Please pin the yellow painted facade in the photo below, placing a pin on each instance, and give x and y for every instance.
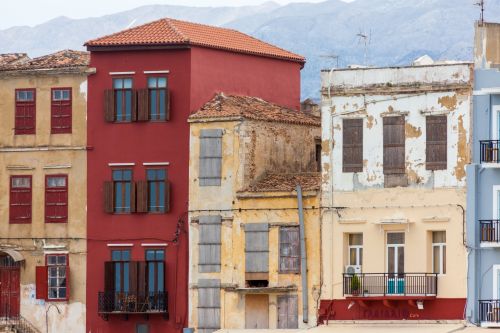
(40, 155)
(250, 150)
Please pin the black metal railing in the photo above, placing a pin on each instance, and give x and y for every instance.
(390, 284)
(489, 311)
(490, 230)
(129, 303)
(489, 151)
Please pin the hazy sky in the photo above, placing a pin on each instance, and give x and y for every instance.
(33, 12)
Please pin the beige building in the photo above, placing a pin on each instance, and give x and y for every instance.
(395, 145)
(43, 193)
(246, 158)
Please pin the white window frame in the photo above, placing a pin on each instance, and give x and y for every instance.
(441, 247)
(355, 247)
(495, 270)
(496, 199)
(495, 114)
(396, 252)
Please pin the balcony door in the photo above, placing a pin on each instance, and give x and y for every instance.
(496, 282)
(395, 254)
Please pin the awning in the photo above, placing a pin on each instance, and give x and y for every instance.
(14, 254)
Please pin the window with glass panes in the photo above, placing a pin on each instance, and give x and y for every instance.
(25, 114)
(56, 198)
(439, 252)
(122, 182)
(61, 110)
(155, 260)
(123, 99)
(57, 271)
(157, 87)
(121, 261)
(355, 249)
(156, 190)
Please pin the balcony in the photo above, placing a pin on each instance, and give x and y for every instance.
(490, 153)
(111, 303)
(390, 286)
(490, 233)
(489, 313)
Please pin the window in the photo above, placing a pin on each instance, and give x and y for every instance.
(209, 243)
(157, 198)
(439, 252)
(210, 157)
(289, 250)
(142, 328)
(124, 99)
(57, 271)
(257, 251)
(25, 121)
(56, 198)
(436, 142)
(288, 311)
(355, 249)
(20, 199)
(395, 252)
(121, 263)
(158, 98)
(208, 305)
(155, 261)
(122, 183)
(61, 117)
(352, 145)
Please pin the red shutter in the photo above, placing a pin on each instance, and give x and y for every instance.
(25, 115)
(167, 196)
(436, 143)
(41, 282)
(56, 201)
(142, 105)
(109, 105)
(68, 279)
(394, 145)
(20, 202)
(352, 145)
(61, 113)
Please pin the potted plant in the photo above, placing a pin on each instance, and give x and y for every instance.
(355, 285)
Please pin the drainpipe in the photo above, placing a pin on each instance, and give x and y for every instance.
(303, 260)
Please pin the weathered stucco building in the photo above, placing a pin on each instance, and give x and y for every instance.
(246, 158)
(395, 143)
(43, 190)
(483, 182)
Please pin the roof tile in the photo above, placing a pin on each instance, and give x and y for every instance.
(287, 182)
(60, 59)
(169, 31)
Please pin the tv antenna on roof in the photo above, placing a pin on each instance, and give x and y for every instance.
(331, 56)
(480, 4)
(366, 39)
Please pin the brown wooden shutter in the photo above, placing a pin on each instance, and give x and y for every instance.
(142, 105)
(167, 196)
(134, 105)
(41, 282)
(109, 105)
(142, 278)
(352, 145)
(133, 275)
(167, 104)
(394, 145)
(141, 196)
(436, 143)
(132, 197)
(108, 197)
(109, 276)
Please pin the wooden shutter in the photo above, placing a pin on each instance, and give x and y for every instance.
(41, 282)
(141, 278)
(109, 276)
(142, 105)
(132, 197)
(352, 145)
(209, 244)
(109, 105)
(394, 145)
(167, 105)
(289, 260)
(167, 196)
(108, 197)
(134, 105)
(288, 311)
(436, 142)
(210, 157)
(68, 285)
(133, 277)
(141, 196)
(257, 247)
(208, 305)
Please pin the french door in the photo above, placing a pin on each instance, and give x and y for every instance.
(9, 292)
(395, 262)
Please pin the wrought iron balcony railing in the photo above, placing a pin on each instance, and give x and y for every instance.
(390, 284)
(489, 311)
(490, 230)
(490, 151)
(132, 303)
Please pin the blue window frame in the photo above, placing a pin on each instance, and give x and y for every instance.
(156, 190)
(155, 260)
(157, 98)
(121, 258)
(123, 99)
(122, 181)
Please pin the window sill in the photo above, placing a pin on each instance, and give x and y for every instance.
(59, 301)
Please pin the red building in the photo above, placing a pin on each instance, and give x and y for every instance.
(148, 80)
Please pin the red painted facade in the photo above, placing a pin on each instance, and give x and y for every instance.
(403, 309)
(195, 75)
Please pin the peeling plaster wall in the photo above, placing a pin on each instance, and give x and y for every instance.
(487, 45)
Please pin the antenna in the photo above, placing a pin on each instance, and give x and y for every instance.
(332, 56)
(480, 4)
(366, 39)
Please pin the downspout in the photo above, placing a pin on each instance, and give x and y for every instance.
(303, 260)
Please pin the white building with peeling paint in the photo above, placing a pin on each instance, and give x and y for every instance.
(395, 142)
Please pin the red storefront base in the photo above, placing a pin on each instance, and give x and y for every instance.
(403, 308)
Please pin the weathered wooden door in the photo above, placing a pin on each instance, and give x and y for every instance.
(9, 292)
(257, 311)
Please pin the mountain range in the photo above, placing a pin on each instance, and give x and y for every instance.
(329, 34)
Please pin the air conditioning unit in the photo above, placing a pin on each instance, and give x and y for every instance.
(353, 269)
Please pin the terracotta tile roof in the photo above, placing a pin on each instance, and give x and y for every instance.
(168, 31)
(60, 59)
(233, 106)
(12, 58)
(286, 182)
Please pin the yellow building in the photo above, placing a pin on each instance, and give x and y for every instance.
(246, 158)
(43, 193)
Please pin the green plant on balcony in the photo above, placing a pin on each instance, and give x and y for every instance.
(355, 285)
